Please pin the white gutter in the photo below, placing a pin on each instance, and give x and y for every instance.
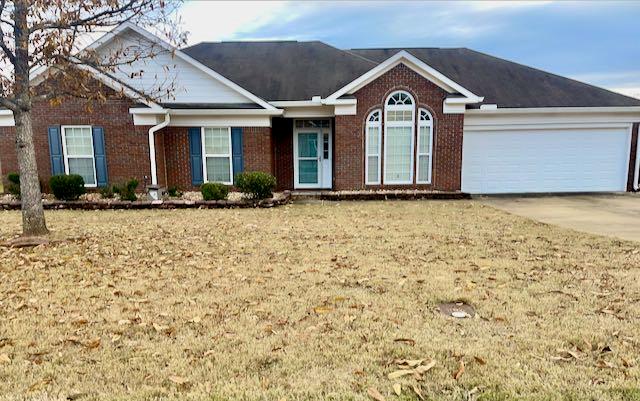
(540, 110)
(207, 112)
(152, 147)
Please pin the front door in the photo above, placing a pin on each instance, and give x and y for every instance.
(312, 150)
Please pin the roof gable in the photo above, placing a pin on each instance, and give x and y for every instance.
(417, 65)
(505, 83)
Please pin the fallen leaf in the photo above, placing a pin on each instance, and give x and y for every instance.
(399, 373)
(407, 341)
(417, 391)
(4, 358)
(196, 319)
(375, 394)
(425, 368)
(320, 310)
(91, 344)
(480, 360)
(397, 388)
(409, 362)
(180, 381)
(460, 370)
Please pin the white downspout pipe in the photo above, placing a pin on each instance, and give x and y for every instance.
(152, 147)
(636, 178)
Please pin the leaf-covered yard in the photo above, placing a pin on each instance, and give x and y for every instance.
(317, 302)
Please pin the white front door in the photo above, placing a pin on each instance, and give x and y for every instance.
(312, 150)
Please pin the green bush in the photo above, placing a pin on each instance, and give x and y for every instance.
(214, 191)
(107, 192)
(14, 184)
(128, 190)
(174, 192)
(67, 187)
(256, 184)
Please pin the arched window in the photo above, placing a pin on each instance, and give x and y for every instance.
(398, 138)
(373, 145)
(425, 147)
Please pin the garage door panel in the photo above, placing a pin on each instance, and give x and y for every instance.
(545, 161)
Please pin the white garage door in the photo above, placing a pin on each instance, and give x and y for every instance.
(585, 160)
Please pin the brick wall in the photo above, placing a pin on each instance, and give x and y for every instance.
(126, 145)
(349, 137)
(257, 153)
(257, 149)
(283, 152)
(632, 159)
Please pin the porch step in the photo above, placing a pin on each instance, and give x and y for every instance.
(377, 195)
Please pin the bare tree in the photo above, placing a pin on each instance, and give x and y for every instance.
(51, 36)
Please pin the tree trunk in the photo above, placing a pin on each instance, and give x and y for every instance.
(33, 222)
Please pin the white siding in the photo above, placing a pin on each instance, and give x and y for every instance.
(545, 160)
(191, 84)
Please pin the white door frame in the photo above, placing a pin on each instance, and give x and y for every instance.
(325, 166)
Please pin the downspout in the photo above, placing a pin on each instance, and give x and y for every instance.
(636, 178)
(152, 147)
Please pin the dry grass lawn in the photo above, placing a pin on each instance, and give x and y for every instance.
(309, 302)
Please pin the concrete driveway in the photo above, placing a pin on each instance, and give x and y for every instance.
(616, 215)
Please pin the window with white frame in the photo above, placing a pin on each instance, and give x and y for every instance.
(373, 145)
(398, 138)
(216, 155)
(425, 146)
(77, 147)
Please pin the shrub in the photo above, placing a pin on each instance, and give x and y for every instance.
(214, 191)
(256, 184)
(174, 192)
(67, 187)
(14, 184)
(128, 190)
(106, 192)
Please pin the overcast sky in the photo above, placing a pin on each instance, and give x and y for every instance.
(596, 42)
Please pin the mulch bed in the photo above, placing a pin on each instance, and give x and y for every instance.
(159, 204)
(380, 195)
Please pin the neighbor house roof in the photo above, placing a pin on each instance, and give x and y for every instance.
(290, 70)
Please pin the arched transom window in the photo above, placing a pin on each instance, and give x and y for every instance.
(373, 145)
(425, 146)
(398, 138)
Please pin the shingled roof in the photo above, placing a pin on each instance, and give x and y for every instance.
(299, 70)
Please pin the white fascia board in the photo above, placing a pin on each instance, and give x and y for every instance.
(206, 112)
(6, 118)
(406, 58)
(295, 103)
(542, 110)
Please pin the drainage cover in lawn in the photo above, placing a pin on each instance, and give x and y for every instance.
(458, 310)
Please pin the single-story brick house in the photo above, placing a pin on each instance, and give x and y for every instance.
(319, 117)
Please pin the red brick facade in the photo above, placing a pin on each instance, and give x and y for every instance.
(126, 145)
(349, 137)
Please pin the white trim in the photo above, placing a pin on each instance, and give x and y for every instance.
(404, 57)
(152, 147)
(206, 112)
(378, 125)
(424, 124)
(412, 125)
(541, 126)
(6, 118)
(537, 110)
(205, 155)
(295, 103)
(65, 156)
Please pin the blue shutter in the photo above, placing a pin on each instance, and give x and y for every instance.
(236, 150)
(100, 156)
(55, 150)
(195, 154)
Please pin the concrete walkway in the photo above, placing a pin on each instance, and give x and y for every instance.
(615, 215)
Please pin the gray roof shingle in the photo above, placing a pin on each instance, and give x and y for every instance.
(289, 70)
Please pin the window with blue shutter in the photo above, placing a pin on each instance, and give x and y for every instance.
(195, 155)
(100, 156)
(55, 150)
(236, 150)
